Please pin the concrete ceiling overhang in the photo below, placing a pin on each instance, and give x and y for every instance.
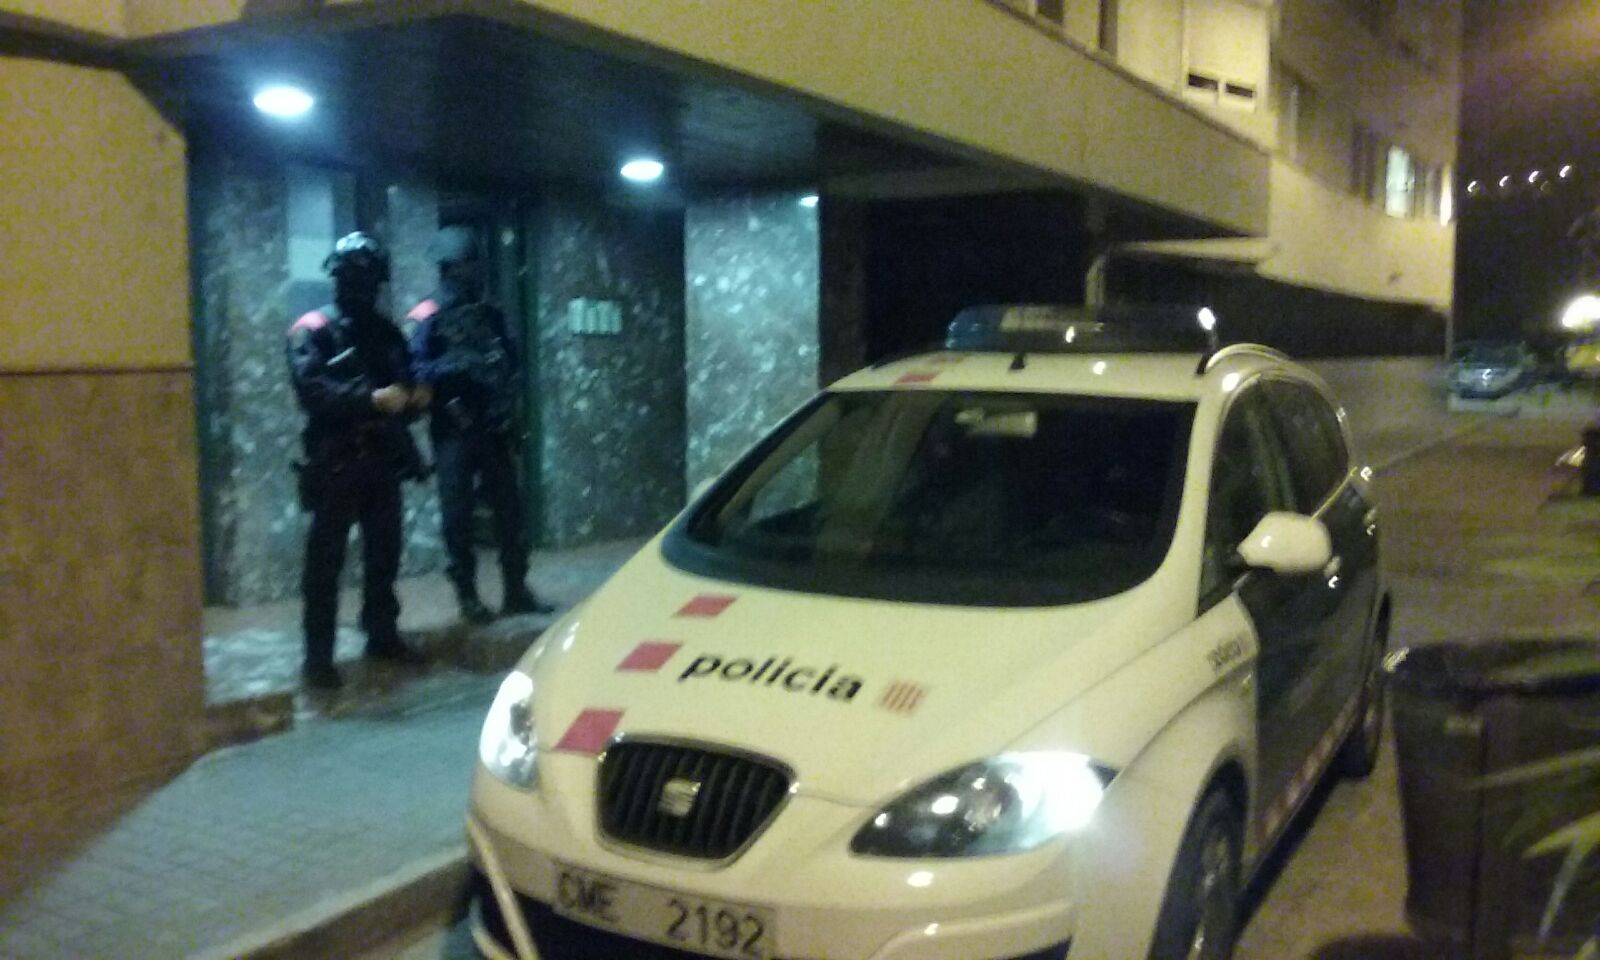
(470, 98)
(477, 90)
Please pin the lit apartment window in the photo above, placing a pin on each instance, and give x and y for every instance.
(1400, 184)
(1226, 44)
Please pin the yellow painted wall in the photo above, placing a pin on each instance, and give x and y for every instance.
(1404, 101)
(98, 16)
(966, 72)
(153, 17)
(1150, 40)
(94, 246)
(1327, 239)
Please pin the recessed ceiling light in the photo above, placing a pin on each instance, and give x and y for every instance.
(284, 102)
(643, 170)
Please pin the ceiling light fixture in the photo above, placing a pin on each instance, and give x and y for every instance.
(810, 200)
(284, 102)
(643, 170)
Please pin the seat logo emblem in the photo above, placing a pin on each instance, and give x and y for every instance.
(678, 796)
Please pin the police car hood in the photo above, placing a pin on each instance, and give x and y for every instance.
(861, 699)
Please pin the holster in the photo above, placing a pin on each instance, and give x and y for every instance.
(313, 481)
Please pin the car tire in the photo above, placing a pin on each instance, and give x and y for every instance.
(1200, 916)
(1358, 755)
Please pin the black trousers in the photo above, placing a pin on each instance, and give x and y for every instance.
(374, 504)
(462, 461)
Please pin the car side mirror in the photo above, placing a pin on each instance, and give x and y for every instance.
(1287, 543)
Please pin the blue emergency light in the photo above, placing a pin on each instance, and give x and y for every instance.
(1111, 328)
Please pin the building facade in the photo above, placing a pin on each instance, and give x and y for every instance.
(840, 176)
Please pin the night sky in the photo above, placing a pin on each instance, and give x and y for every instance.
(1530, 102)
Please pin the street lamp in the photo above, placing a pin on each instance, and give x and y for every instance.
(1582, 313)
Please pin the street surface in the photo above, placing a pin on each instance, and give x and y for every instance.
(1472, 551)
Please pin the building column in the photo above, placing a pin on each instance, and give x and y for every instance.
(752, 268)
(99, 527)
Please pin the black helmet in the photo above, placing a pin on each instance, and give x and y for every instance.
(455, 244)
(358, 255)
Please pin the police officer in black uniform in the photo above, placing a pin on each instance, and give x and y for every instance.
(460, 348)
(351, 373)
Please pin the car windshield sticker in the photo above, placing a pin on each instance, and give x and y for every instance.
(591, 732)
(902, 697)
(778, 673)
(648, 657)
(705, 605)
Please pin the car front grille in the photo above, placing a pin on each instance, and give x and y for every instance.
(685, 800)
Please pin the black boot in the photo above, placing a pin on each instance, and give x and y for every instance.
(385, 644)
(321, 676)
(519, 600)
(472, 609)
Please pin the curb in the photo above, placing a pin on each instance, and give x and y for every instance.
(432, 890)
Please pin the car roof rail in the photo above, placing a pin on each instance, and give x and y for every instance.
(1238, 350)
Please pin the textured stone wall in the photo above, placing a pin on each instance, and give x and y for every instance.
(99, 583)
(249, 422)
(608, 460)
(752, 272)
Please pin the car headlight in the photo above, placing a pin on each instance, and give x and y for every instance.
(1006, 804)
(508, 746)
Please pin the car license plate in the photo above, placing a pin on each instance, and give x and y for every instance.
(712, 927)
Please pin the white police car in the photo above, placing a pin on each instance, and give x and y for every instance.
(1020, 653)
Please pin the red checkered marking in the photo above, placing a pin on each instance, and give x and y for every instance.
(706, 605)
(591, 733)
(902, 697)
(648, 657)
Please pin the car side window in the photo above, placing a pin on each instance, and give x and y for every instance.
(1249, 479)
(1318, 459)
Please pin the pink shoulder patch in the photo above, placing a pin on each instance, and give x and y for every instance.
(315, 320)
(423, 310)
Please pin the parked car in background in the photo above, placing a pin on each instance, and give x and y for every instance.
(1486, 369)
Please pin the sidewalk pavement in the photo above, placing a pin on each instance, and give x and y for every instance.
(311, 843)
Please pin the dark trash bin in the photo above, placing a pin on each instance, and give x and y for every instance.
(1591, 461)
(1499, 750)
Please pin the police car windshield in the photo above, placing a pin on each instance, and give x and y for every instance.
(950, 497)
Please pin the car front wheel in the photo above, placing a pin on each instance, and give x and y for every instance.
(1200, 917)
(1358, 756)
